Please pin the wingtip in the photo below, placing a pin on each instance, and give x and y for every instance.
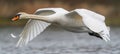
(106, 38)
(21, 42)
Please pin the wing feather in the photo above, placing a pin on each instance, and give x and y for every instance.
(93, 23)
(31, 30)
(93, 14)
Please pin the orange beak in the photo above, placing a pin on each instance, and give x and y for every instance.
(16, 17)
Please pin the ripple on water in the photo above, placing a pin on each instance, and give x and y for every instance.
(60, 44)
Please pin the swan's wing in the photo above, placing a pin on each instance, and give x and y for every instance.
(50, 11)
(45, 12)
(93, 14)
(31, 30)
(75, 18)
(93, 23)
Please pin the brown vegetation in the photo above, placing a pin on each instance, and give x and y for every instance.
(109, 8)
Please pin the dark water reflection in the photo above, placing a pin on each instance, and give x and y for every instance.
(60, 42)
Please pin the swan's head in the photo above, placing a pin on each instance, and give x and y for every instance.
(19, 15)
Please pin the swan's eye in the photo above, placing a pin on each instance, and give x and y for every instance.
(16, 17)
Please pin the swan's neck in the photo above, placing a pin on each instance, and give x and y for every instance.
(37, 17)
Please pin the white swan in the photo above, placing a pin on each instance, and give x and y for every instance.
(78, 20)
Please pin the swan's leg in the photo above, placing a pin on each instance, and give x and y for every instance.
(95, 34)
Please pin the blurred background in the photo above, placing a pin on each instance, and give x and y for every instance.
(109, 8)
(59, 41)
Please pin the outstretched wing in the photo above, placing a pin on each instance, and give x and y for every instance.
(95, 22)
(93, 14)
(31, 30)
(50, 11)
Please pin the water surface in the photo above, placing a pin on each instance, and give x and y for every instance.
(59, 42)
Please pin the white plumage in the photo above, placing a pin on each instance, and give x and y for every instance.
(94, 22)
(78, 20)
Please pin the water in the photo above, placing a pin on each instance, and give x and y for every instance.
(59, 42)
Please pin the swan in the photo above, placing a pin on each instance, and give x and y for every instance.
(76, 21)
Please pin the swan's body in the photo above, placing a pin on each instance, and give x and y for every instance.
(79, 20)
